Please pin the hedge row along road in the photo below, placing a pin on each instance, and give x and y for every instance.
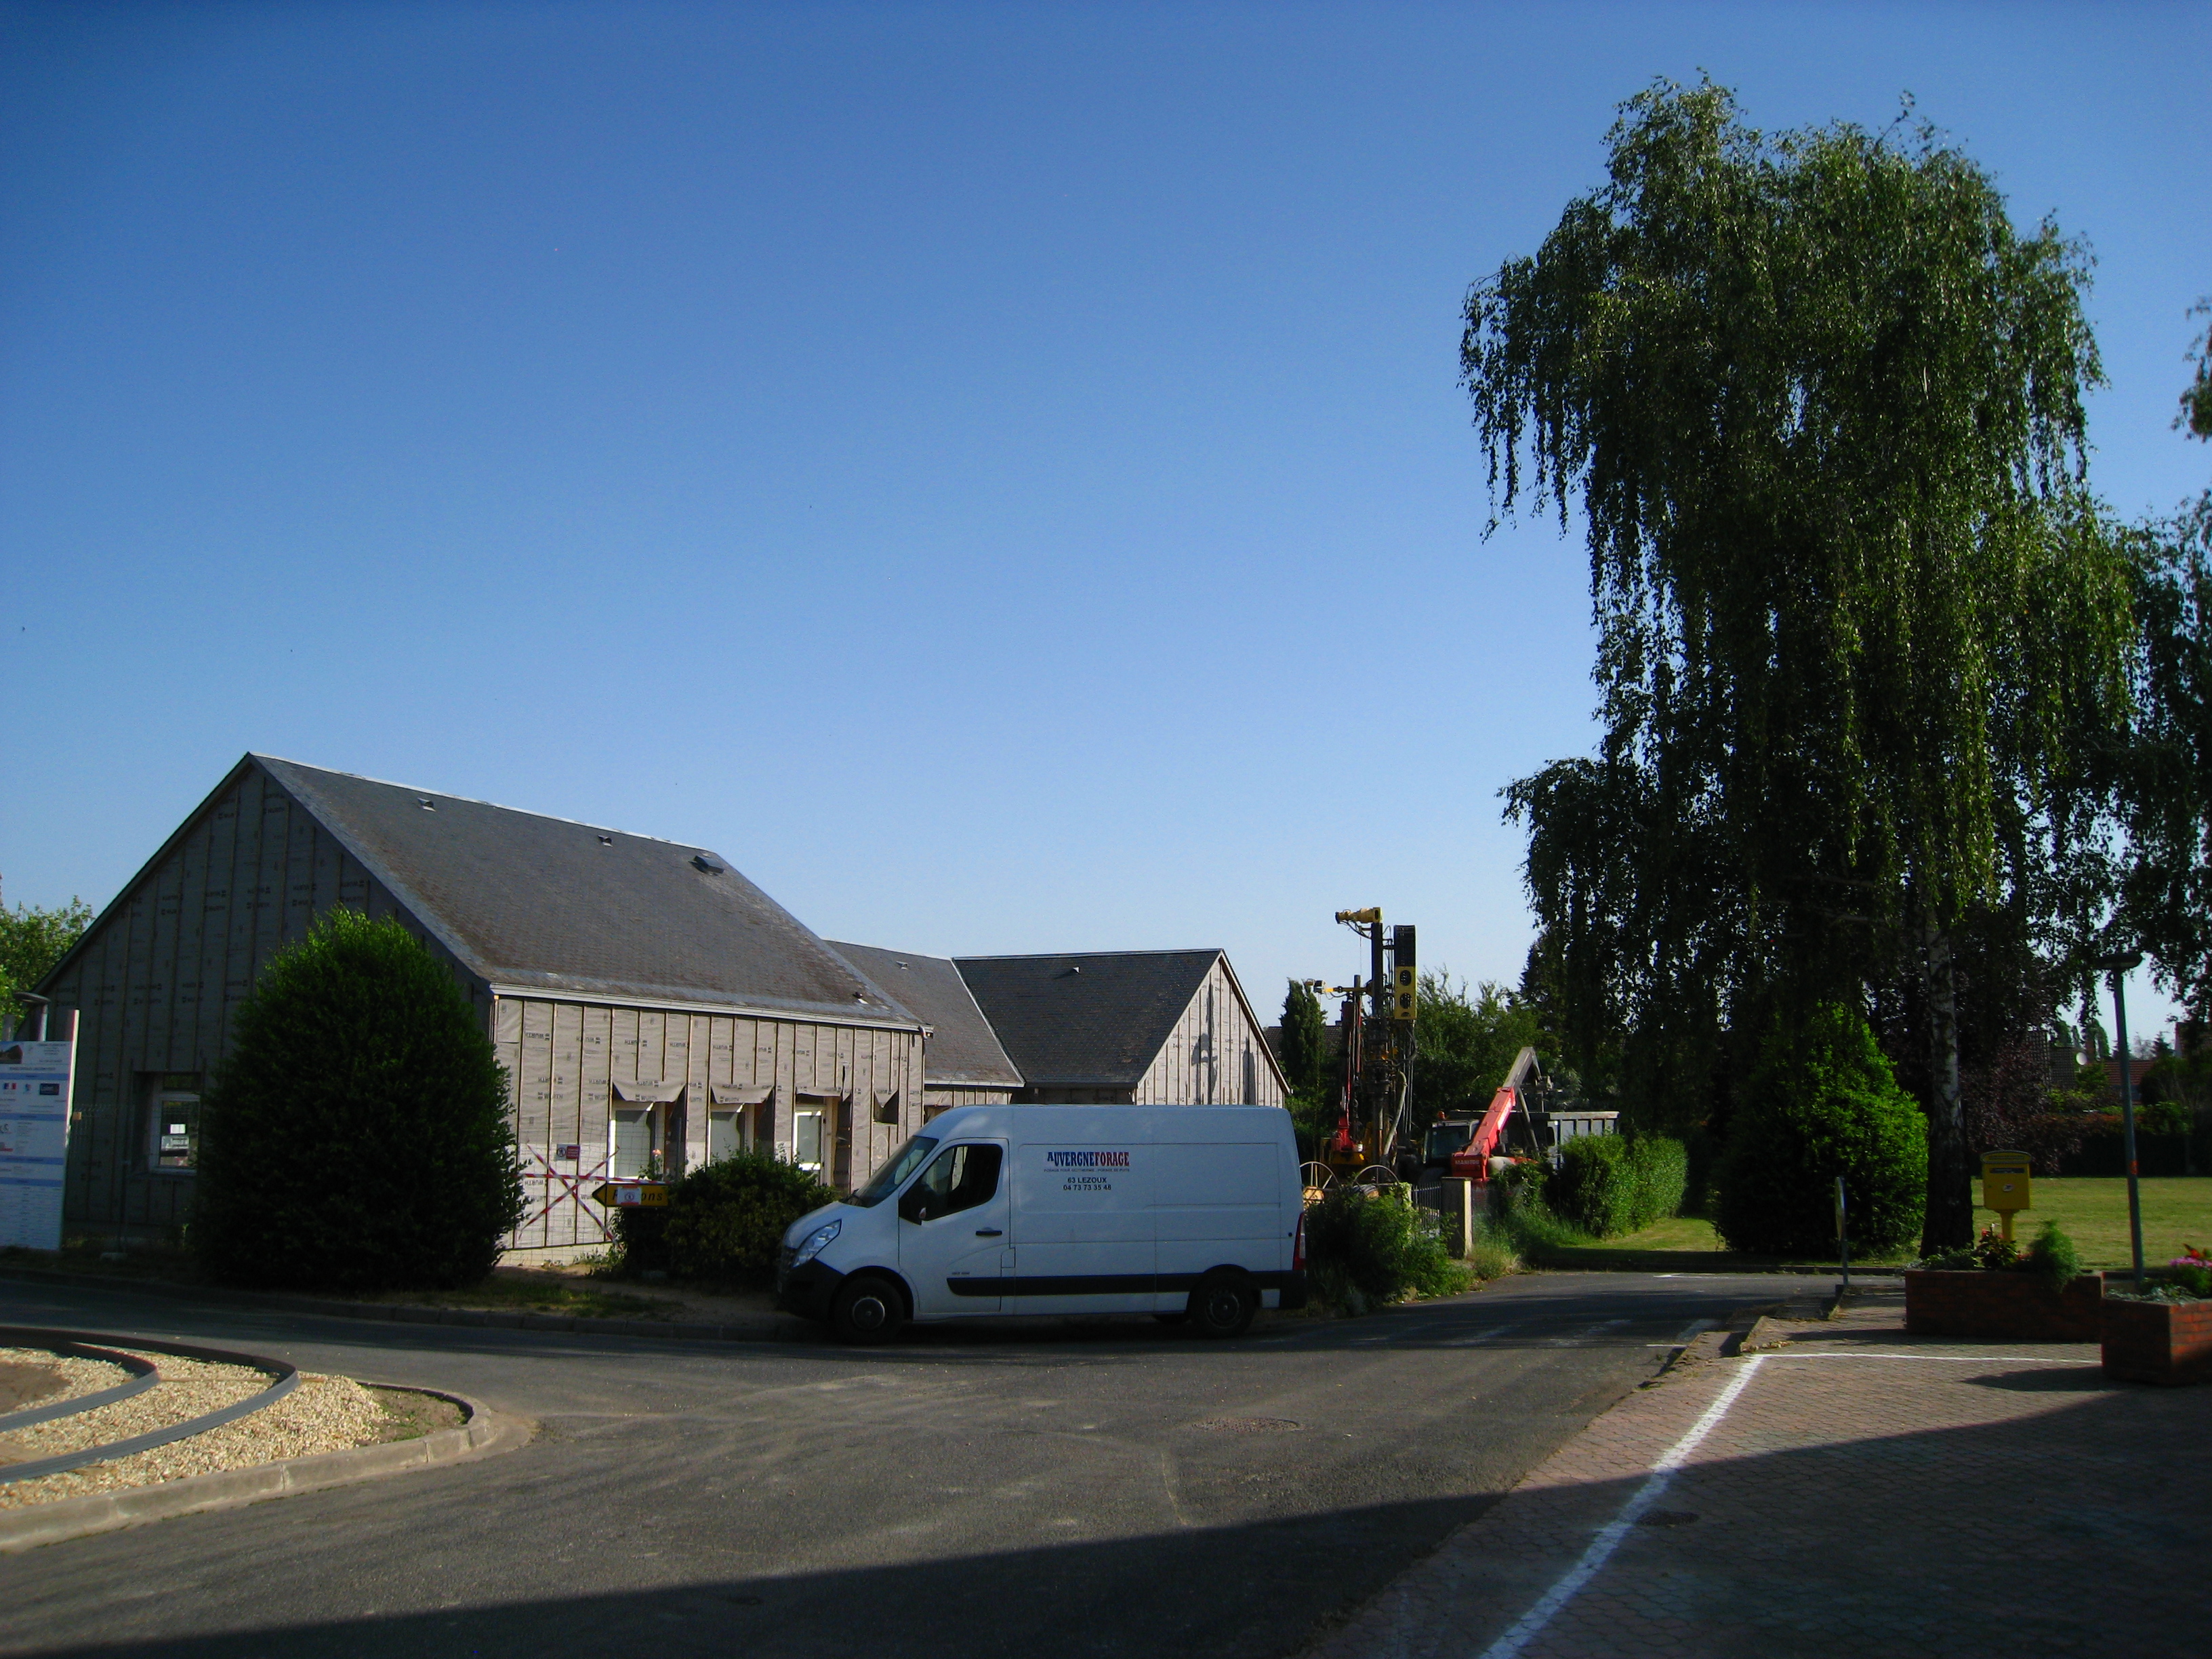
(1048, 1489)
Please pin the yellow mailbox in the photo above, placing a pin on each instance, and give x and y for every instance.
(2005, 1185)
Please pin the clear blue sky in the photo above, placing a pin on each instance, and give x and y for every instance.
(995, 472)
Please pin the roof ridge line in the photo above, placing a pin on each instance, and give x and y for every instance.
(472, 800)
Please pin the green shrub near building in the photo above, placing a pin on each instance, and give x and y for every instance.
(1822, 1103)
(724, 1221)
(357, 1137)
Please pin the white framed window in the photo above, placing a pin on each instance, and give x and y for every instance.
(808, 1126)
(726, 1136)
(173, 1123)
(633, 1137)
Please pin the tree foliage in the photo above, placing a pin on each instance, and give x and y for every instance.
(32, 940)
(1821, 406)
(1466, 1044)
(356, 1136)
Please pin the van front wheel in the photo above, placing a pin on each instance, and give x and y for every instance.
(867, 1310)
(1223, 1307)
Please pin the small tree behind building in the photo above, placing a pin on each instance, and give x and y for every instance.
(357, 1137)
(1305, 1039)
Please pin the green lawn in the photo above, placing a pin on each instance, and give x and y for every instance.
(2177, 1211)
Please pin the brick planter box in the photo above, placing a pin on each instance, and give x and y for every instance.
(2158, 1341)
(2002, 1307)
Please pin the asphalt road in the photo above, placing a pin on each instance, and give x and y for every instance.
(1027, 1489)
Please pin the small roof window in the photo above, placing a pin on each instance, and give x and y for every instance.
(700, 861)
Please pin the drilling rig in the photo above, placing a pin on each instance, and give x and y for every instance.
(1378, 1019)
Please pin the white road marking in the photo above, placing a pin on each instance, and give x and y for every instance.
(1527, 1627)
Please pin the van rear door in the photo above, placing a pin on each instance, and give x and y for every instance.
(1218, 1204)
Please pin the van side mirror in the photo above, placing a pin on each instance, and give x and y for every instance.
(914, 1206)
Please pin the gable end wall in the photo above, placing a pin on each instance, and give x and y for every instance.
(1216, 1055)
(162, 972)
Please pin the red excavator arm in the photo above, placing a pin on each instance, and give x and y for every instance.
(1471, 1162)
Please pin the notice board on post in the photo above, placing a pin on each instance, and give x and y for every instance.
(34, 1119)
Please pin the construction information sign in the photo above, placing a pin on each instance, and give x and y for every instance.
(34, 1115)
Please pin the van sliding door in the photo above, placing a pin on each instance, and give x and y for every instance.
(1084, 1208)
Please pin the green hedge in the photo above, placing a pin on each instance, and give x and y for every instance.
(357, 1138)
(1609, 1185)
(1822, 1103)
(724, 1221)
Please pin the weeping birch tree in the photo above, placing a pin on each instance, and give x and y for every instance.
(1819, 404)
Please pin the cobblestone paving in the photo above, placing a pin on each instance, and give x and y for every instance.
(1865, 1492)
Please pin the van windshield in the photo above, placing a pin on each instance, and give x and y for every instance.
(903, 1163)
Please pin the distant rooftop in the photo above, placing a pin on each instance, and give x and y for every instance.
(1094, 1020)
(963, 1051)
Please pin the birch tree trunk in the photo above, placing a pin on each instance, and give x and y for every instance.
(1949, 1221)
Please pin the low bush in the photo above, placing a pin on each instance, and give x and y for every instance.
(1822, 1103)
(1521, 1217)
(1365, 1250)
(357, 1138)
(1609, 1185)
(2053, 1259)
(724, 1221)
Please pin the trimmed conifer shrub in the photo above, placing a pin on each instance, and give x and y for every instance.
(357, 1136)
(1822, 1103)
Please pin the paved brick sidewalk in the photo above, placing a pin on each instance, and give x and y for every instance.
(1862, 1492)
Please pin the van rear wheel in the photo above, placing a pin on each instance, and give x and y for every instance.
(1224, 1307)
(867, 1310)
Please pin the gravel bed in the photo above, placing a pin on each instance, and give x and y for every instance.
(188, 1389)
(323, 1414)
(79, 1376)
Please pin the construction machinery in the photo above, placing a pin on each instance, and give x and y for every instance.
(1378, 1019)
(1517, 1105)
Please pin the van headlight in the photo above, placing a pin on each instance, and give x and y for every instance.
(816, 1242)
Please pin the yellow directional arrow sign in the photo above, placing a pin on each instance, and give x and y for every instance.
(632, 1194)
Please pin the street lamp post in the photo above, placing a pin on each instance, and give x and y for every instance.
(2117, 966)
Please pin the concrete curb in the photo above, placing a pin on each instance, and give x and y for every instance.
(769, 1329)
(486, 1434)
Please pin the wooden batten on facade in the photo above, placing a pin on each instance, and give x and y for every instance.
(646, 1001)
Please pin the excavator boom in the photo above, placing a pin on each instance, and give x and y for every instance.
(1473, 1162)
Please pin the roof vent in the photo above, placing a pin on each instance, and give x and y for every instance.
(1076, 968)
(700, 861)
(426, 803)
(607, 840)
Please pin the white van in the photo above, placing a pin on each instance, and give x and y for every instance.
(1180, 1212)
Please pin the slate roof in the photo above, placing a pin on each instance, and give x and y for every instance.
(548, 905)
(962, 1051)
(1096, 1020)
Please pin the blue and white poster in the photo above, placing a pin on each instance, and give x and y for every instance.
(34, 1115)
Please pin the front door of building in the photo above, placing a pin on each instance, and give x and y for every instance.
(956, 1230)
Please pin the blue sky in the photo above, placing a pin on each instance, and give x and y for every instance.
(995, 472)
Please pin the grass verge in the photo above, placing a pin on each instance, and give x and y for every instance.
(410, 1414)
